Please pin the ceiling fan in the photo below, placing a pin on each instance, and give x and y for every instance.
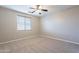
(38, 8)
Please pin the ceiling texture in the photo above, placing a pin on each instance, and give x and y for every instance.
(26, 8)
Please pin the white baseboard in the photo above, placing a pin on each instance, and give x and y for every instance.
(29, 37)
(51, 37)
(43, 35)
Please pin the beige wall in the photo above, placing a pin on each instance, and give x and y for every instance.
(64, 24)
(8, 25)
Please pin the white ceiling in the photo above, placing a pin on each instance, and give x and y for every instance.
(50, 8)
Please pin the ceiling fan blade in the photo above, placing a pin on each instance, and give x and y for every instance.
(44, 10)
(32, 12)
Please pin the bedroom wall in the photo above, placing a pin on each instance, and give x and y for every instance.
(64, 24)
(8, 26)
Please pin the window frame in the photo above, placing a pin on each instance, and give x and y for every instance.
(25, 23)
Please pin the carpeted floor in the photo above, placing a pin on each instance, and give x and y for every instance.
(39, 45)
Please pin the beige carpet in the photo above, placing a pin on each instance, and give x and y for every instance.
(39, 45)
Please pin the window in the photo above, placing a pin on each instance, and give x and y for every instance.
(23, 23)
